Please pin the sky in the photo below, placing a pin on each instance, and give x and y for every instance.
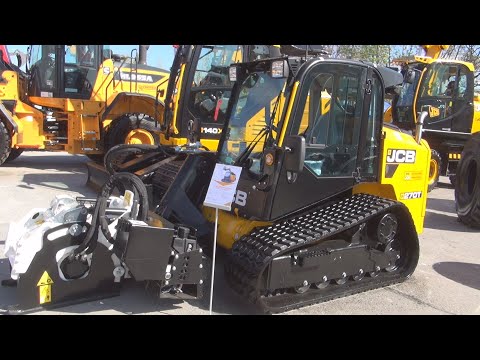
(158, 55)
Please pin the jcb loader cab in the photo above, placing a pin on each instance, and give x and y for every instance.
(329, 201)
(447, 88)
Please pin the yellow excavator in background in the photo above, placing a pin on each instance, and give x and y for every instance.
(198, 95)
(79, 98)
(447, 88)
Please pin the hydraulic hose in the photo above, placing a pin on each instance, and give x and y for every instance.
(124, 181)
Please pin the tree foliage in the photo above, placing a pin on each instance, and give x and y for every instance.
(384, 54)
(470, 53)
(378, 54)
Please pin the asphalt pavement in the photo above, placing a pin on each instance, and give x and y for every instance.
(446, 280)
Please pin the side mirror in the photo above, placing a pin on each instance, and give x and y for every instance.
(194, 127)
(27, 59)
(294, 153)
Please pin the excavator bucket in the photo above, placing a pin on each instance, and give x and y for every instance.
(81, 250)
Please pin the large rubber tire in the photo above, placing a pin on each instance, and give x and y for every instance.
(434, 170)
(5, 143)
(14, 153)
(467, 187)
(120, 128)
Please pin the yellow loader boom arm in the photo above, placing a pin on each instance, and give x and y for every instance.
(434, 51)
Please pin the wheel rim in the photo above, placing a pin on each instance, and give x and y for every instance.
(302, 289)
(359, 276)
(374, 273)
(433, 172)
(341, 280)
(140, 136)
(394, 255)
(322, 284)
(387, 228)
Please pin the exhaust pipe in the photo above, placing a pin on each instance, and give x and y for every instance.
(142, 54)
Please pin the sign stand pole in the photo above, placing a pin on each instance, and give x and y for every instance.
(213, 260)
(220, 195)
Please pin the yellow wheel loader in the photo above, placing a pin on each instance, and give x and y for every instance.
(330, 200)
(78, 98)
(447, 88)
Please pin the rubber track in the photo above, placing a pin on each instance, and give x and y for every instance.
(252, 254)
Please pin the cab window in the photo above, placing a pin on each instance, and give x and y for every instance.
(330, 121)
(80, 69)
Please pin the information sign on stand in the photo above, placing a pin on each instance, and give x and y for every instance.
(220, 195)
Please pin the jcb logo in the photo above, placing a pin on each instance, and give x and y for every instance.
(395, 156)
(241, 198)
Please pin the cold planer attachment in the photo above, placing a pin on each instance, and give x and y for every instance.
(80, 250)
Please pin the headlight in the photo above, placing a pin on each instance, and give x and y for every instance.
(279, 69)
(232, 73)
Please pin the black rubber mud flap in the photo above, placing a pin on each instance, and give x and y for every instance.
(41, 287)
